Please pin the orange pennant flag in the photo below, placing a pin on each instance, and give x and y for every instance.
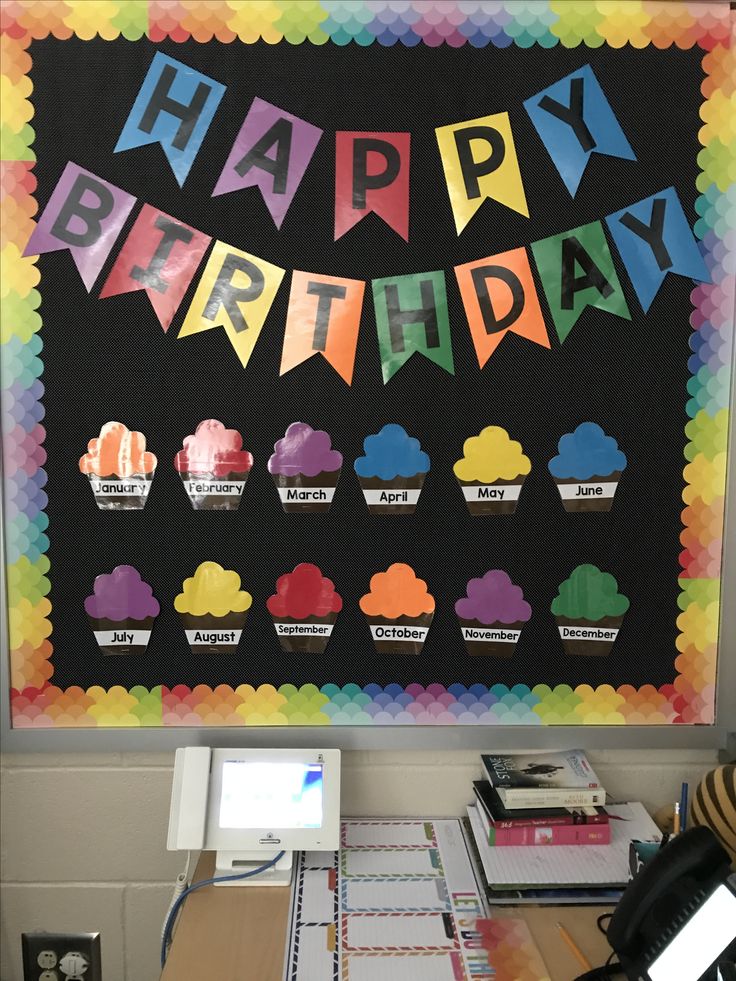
(323, 318)
(500, 297)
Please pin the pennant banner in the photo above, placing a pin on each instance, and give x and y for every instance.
(479, 160)
(574, 119)
(174, 107)
(236, 292)
(500, 298)
(160, 256)
(85, 215)
(577, 271)
(654, 238)
(271, 152)
(372, 174)
(411, 315)
(323, 318)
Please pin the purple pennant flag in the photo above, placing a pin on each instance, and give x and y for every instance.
(85, 215)
(271, 151)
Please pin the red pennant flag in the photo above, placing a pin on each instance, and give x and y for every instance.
(372, 174)
(160, 256)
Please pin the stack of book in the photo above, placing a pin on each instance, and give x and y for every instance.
(541, 799)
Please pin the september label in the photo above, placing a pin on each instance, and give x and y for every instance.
(570, 491)
(306, 495)
(115, 488)
(498, 634)
(588, 633)
(409, 495)
(215, 488)
(129, 638)
(303, 629)
(213, 636)
(382, 631)
(493, 492)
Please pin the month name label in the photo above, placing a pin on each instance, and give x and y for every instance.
(491, 633)
(493, 492)
(129, 638)
(306, 495)
(408, 495)
(213, 636)
(570, 491)
(303, 629)
(588, 633)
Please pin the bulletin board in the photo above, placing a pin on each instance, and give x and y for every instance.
(472, 258)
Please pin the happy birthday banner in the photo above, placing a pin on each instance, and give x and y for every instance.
(272, 151)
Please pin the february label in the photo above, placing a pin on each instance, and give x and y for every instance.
(215, 488)
(492, 492)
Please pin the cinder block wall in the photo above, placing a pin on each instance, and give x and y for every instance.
(84, 835)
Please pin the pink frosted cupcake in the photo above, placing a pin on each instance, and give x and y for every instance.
(492, 615)
(214, 467)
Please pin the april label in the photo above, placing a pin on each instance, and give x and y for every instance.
(409, 495)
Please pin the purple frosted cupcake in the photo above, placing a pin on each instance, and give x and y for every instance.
(121, 611)
(492, 615)
(305, 469)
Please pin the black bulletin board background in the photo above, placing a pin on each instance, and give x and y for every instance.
(110, 360)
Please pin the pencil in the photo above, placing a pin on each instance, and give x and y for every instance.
(581, 958)
(676, 822)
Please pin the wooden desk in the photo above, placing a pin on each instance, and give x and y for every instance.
(239, 933)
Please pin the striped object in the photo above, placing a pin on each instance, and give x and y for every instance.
(714, 806)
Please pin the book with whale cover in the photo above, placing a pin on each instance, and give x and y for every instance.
(531, 780)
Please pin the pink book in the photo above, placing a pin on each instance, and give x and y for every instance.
(561, 834)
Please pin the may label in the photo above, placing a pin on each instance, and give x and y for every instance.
(603, 490)
(303, 629)
(306, 495)
(492, 492)
(588, 633)
(382, 631)
(498, 634)
(409, 495)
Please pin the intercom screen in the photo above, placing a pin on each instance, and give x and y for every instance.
(700, 942)
(271, 795)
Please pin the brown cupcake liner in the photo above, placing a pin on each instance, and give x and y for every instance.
(493, 504)
(127, 636)
(304, 493)
(201, 495)
(589, 647)
(588, 501)
(217, 635)
(304, 636)
(117, 500)
(491, 646)
(404, 643)
(399, 498)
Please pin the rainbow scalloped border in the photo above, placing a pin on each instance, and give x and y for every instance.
(691, 697)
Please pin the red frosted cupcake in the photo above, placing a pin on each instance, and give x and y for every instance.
(304, 609)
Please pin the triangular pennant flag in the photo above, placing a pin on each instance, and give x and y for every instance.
(372, 174)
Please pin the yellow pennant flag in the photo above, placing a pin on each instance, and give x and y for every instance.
(236, 292)
(479, 160)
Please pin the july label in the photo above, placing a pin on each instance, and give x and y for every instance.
(588, 633)
(303, 629)
(121, 488)
(491, 633)
(218, 488)
(409, 495)
(570, 491)
(306, 495)
(382, 631)
(116, 638)
(493, 492)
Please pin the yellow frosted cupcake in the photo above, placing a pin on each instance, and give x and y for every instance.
(213, 609)
(491, 472)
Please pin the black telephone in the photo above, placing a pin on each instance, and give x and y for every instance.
(662, 899)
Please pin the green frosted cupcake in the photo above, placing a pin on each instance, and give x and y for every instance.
(589, 611)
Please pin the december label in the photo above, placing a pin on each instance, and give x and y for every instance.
(135, 488)
(409, 495)
(214, 488)
(588, 633)
(492, 492)
(382, 631)
(306, 495)
(213, 636)
(570, 491)
(118, 638)
(303, 629)
(497, 634)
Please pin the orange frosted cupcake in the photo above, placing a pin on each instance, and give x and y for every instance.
(399, 610)
(119, 468)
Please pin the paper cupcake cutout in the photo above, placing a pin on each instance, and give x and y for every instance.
(304, 609)
(491, 472)
(121, 611)
(214, 467)
(492, 615)
(589, 611)
(305, 468)
(213, 609)
(587, 468)
(119, 468)
(392, 471)
(399, 610)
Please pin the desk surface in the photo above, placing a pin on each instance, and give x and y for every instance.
(239, 933)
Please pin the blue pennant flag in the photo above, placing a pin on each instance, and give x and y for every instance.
(174, 107)
(574, 119)
(654, 238)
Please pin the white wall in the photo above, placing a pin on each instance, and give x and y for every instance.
(83, 836)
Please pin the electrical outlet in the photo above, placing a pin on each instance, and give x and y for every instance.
(61, 957)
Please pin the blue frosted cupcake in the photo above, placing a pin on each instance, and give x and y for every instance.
(392, 471)
(587, 468)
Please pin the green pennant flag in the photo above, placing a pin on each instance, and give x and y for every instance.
(577, 271)
(411, 315)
